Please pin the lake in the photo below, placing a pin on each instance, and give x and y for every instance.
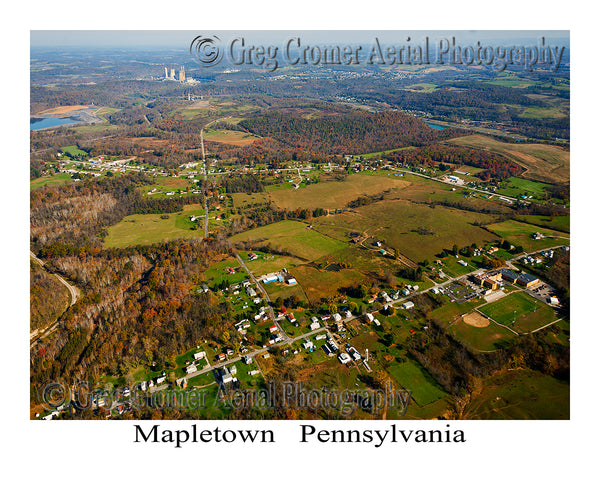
(38, 123)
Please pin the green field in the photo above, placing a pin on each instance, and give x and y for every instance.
(521, 394)
(73, 151)
(484, 339)
(293, 238)
(57, 179)
(146, 229)
(398, 224)
(423, 388)
(519, 233)
(216, 274)
(515, 187)
(519, 307)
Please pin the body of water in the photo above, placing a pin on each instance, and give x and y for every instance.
(38, 123)
(436, 127)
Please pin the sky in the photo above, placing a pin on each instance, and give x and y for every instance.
(171, 38)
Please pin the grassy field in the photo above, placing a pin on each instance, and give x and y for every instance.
(423, 388)
(151, 228)
(216, 273)
(73, 150)
(292, 237)
(319, 284)
(528, 312)
(267, 263)
(521, 394)
(330, 195)
(57, 179)
(230, 137)
(480, 339)
(514, 187)
(397, 224)
(519, 233)
(562, 223)
(545, 163)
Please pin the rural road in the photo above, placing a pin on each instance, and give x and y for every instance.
(37, 335)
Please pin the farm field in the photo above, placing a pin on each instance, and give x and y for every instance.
(146, 229)
(519, 233)
(319, 284)
(423, 388)
(230, 137)
(397, 224)
(545, 163)
(330, 195)
(528, 312)
(293, 238)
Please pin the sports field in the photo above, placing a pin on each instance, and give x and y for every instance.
(423, 388)
(526, 312)
(293, 238)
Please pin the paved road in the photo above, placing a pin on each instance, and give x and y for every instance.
(262, 289)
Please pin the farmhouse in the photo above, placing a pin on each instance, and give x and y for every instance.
(191, 368)
(408, 305)
(308, 345)
(369, 317)
(315, 326)
(199, 355)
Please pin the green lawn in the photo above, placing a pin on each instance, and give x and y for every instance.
(423, 388)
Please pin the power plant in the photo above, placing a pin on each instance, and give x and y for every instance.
(179, 76)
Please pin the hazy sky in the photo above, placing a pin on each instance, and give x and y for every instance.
(182, 38)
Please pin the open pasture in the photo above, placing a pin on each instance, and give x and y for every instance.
(545, 163)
